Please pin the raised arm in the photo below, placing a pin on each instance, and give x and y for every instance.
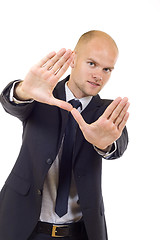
(38, 85)
(43, 77)
(108, 128)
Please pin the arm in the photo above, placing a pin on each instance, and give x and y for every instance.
(42, 78)
(38, 85)
(109, 127)
(21, 111)
(121, 143)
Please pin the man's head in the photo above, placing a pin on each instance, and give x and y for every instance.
(95, 56)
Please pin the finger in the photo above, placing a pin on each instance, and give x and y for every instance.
(64, 68)
(122, 114)
(109, 110)
(79, 119)
(45, 59)
(59, 64)
(50, 63)
(59, 103)
(123, 122)
(118, 109)
(54, 78)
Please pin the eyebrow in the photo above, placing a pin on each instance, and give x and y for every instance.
(91, 59)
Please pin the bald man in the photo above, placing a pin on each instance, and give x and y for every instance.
(67, 130)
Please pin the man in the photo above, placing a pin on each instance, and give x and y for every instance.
(34, 202)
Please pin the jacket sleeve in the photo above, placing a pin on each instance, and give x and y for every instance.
(21, 111)
(121, 144)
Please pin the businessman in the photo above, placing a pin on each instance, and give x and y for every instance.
(54, 188)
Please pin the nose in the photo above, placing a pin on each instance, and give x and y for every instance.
(97, 76)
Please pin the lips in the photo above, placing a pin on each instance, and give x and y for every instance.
(94, 84)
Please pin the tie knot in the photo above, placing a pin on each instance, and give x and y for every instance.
(75, 103)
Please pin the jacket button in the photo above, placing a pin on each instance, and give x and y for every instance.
(39, 192)
(49, 161)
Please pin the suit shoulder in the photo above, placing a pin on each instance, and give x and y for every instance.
(106, 101)
(102, 104)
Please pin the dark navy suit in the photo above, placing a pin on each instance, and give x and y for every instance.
(43, 129)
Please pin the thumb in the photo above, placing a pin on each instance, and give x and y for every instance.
(60, 103)
(79, 119)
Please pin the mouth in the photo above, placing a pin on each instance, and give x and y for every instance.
(94, 84)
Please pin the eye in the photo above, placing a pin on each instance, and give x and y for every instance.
(107, 70)
(91, 63)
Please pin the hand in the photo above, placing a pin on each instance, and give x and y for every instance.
(43, 77)
(108, 128)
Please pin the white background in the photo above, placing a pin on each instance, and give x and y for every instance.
(31, 29)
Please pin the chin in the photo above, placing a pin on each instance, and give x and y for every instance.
(92, 94)
(89, 92)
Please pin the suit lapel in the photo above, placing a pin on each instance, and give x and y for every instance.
(59, 93)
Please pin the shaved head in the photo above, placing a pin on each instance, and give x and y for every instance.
(95, 34)
(94, 59)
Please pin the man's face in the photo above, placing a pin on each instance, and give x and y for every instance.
(91, 68)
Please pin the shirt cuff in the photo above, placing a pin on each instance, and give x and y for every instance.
(106, 155)
(13, 99)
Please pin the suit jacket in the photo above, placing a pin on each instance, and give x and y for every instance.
(43, 129)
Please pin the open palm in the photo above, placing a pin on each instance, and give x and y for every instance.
(108, 128)
(43, 77)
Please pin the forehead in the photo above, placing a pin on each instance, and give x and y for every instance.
(100, 50)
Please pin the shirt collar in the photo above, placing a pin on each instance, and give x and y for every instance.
(69, 96)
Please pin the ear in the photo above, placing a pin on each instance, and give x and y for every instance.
(72, 64)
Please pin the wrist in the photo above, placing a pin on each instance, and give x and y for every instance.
(19, 93)
(107, 149)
